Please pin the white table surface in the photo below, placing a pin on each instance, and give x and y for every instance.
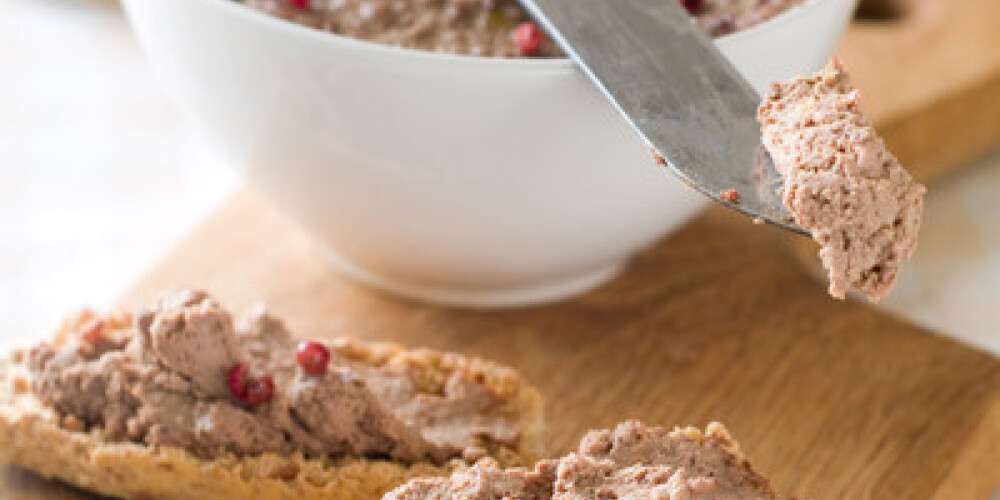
(99, 176)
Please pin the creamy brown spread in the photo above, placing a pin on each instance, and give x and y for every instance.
(475, 27)
(630, 462)
(840, 181)
(722, 17)
(470, 27)
(162, 380)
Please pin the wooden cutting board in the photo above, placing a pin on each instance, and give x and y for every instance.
(929, 72)
(834, 400)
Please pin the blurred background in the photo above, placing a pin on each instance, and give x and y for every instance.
(101, 174)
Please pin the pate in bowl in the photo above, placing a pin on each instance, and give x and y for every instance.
(471, 181)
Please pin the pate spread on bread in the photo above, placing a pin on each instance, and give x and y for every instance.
(630, 462)
(181, 398)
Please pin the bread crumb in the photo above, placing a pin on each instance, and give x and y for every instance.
(730, 196)
(71, 423)
(657, 157)
(19, 384)
(473, 454)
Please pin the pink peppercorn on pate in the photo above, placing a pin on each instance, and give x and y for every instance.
(181, 401)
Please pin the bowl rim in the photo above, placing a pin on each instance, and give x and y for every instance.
(553, 63)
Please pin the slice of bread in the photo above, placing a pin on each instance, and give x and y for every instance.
(35, 437)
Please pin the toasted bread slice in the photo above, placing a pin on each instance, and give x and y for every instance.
(35, 437)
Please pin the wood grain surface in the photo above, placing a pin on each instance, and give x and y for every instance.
(832, 399)
(929, 73)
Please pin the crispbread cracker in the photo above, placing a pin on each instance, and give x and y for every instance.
(36, 438)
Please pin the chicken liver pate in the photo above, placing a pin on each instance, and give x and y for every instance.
(630, 462)
(477, 27)
(162, 380)
(840, 181)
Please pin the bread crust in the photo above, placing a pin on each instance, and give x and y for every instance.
(34, 437)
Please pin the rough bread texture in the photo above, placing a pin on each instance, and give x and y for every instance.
(36, 438)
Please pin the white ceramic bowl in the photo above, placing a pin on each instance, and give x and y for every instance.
(463, 180)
